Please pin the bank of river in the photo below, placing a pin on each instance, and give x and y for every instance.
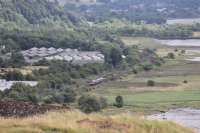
(187, 117)
(191, 45)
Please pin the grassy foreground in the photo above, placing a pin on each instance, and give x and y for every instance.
(76, 122)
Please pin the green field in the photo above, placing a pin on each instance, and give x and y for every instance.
(169, 91)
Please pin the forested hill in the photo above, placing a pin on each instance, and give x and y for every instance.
(36, 12)
(149, 11)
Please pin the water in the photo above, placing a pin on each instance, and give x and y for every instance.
(187, 21)
(195, 59)
(187, 117)
(187, 42)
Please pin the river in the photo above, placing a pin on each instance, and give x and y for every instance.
(185, 43)
(187, 117)
(184, 21)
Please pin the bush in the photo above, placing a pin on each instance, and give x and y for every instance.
(33, 98)
(21, 92)
(30, 77)
(119, 101)
(17, 60)
(103, 102)
(89, 104)
(48, 99)
(171, 55)
(175, 50)
(150, 83)
(135, 71)
(14, 75)
(148, 67)
(185, 81)
(183, 51)
(69, 95)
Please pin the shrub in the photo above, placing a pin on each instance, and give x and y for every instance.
(171, 55)
(119, 101)
(69, 95)
(185, 81)
(150, 83)
(103, 102)
(89, 104)
(135, 71)
(21, 92)
(175, 50)
(148, 67)
(14, 75)
(48, 99)
(17, 60)
(183, 51)
(30, 77)
(33, 98)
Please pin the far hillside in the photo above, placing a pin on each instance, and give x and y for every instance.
(140, 11)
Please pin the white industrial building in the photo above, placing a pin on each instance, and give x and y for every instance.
(70, 55)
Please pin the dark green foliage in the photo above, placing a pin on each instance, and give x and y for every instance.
(33, 98)
(1, 95)
(135, 71)
(115, 56)
(69, 95)
(119, 101)
(103, 102)
(150, 83)
(42, 63)
(60, 73)
(14, 76)
(36, 12)
(171, 55)
(30, 77)
(132, 56)
(89, 104)
(17, 60)
(21, 92)
(66, 96)
(167, 32)
(148, 67)
(48, 99)
(185, 81)
(175, 50)
(183, 51)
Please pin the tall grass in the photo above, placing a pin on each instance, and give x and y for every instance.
(77, 122)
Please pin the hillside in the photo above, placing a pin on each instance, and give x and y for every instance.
(74, 122)
(148, 11)
(40, 12)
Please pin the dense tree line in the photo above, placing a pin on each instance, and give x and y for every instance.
(36, 12)
(161, 32)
